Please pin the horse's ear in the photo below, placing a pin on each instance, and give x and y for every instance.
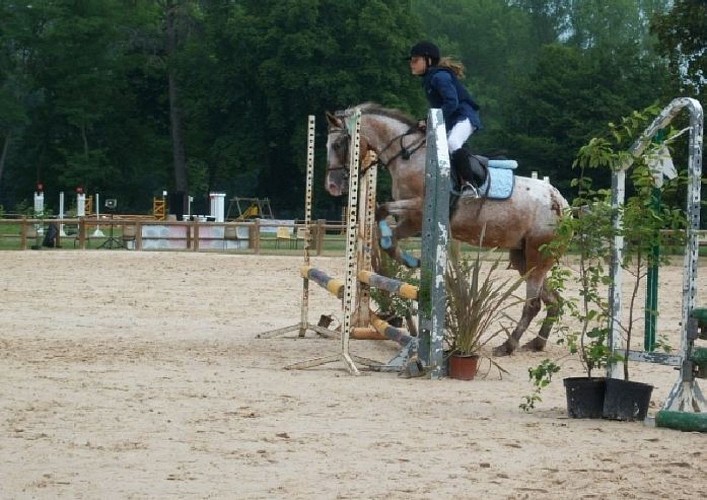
(333, 121)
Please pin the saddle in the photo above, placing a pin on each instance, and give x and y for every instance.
(493, 178)
(467, 167)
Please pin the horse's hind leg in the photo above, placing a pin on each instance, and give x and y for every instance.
(530, 310)
(553, 304)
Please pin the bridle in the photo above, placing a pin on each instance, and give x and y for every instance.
(343, 142)
(405, 152)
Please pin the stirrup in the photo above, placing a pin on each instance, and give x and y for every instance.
(469, 191)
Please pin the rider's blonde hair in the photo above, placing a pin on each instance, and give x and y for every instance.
(456, 66)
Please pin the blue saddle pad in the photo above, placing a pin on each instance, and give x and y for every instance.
(500, 181)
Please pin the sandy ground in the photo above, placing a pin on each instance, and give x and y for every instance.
(139, 375)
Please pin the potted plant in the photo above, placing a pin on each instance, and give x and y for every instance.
(476, 304)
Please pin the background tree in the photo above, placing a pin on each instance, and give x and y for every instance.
(682, 39)
(591, 75)
(84, 120)
(85, 86)
(15, 87)
(268, 65)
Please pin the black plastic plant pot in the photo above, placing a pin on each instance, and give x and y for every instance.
(626, 400)
(585, 396)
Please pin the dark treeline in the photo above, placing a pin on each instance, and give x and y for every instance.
(128, 98)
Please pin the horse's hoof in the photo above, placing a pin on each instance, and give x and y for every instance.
(386, 239)
(505, 349)
(413, 368)
(410, 261)
(535, 345)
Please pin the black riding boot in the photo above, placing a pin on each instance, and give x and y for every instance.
(463, 174)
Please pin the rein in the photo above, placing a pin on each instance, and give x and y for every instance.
(404, 153)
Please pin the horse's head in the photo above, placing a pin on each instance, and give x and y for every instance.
(338, 142)
(338, 151)
(387, 133)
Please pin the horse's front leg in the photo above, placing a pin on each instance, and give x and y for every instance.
(404, 228)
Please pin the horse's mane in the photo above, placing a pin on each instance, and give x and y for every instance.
(372, 108)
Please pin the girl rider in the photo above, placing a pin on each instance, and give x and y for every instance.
(440, 80)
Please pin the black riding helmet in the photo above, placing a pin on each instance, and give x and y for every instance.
(426, 50)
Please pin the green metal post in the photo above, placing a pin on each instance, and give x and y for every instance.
(651, 308)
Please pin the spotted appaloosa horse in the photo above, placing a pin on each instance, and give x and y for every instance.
(522, 223)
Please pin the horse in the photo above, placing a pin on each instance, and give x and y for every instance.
(522, 223)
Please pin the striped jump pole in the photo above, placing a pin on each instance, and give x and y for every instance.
(334, 286)
(390, 285)
(380, 329)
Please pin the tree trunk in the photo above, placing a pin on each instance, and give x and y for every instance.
(181, 181)
(84, 136)
(3, 155)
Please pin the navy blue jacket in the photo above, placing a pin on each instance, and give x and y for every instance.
(443, 90)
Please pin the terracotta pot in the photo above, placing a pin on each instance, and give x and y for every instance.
(463, 366)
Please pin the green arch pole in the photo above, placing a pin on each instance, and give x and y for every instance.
(651, 308)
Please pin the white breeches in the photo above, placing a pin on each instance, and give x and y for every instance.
(459, 134)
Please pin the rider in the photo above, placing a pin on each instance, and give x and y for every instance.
(440, 80)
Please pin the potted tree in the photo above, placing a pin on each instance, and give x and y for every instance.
(583, 228)
(476, 304)
(645, 216)
(591, 230)
(585, 394)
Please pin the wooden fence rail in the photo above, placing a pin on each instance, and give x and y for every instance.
(148, 234)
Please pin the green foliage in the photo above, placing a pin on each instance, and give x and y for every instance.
(84, 96)
(568, 98)
(540, 376)
(682, 37)
(642, 218)
(393, 305)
